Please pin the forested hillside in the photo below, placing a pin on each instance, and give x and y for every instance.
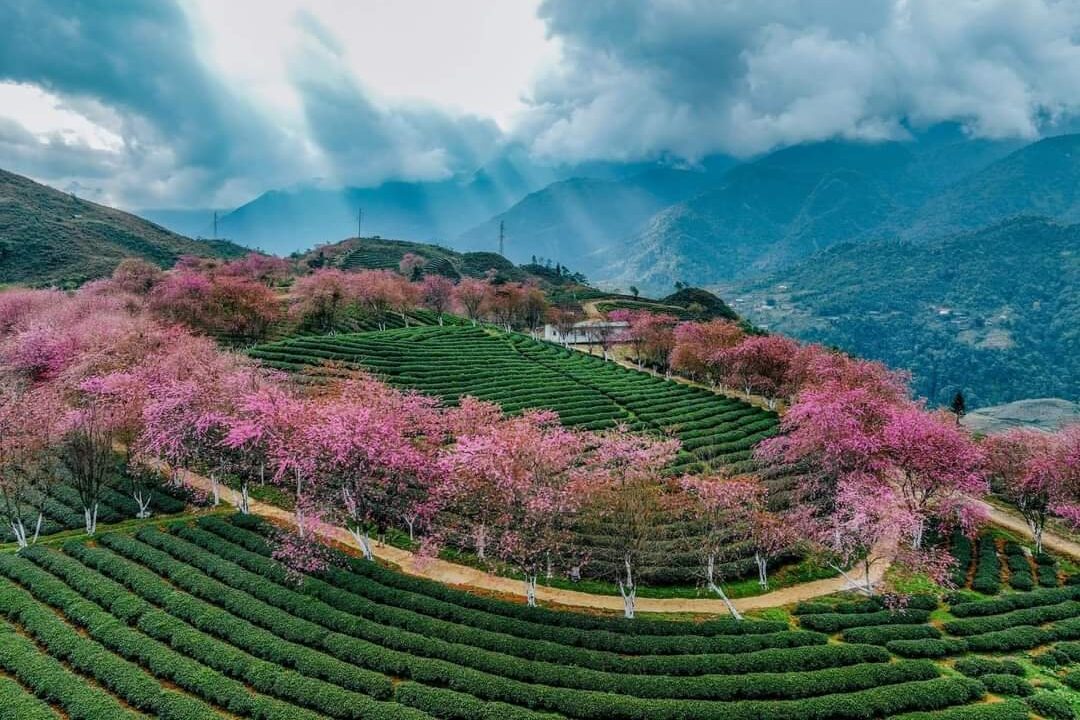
(993, 312)
(51, 237)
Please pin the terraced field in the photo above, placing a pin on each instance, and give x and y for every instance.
(63, 509)
(518, 372)
(196, 621)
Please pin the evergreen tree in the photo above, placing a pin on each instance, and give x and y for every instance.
(958, 406)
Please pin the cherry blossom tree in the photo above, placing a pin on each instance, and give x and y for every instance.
(321, 299)
(87, 453)
(722, 507)
(760, 364)
(473, 296)
(28, 429)
(371, 453)
(696, 343)
(266, 269)
(935, 465)
(628, 494)
(380, 291)
(436, 294)
(410, 266)
(1039, 473)
(136, 276)
(651, 335)
(535, 474)
(563, 320)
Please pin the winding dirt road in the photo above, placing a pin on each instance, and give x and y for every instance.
(461, 575)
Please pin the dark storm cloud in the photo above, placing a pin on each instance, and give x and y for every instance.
(690, 77)
(185, 134)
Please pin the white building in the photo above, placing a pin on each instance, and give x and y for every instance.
(583, 332)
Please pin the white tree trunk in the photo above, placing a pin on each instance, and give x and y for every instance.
(762, 570)
(410, 522)
(215, 489)
(245, 499)
(19, 531)
(90, 514)
(628, 591)
(143, 503)
(37, 527)
(481, 542)
(1036, 534)
(710, 575)
(530, 589)
(863, 586)
(363, 540)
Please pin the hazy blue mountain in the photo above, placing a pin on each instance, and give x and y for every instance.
(793, 202)
(995, 312)
(572, 221)
(1042, 178)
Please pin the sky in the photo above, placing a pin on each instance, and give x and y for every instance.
(203, 103)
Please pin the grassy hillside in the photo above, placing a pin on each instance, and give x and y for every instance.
(197, 621)
(373, 253)
(50, 237)
(518, 372)
(993, 312)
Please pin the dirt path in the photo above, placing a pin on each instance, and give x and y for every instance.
(1015, 523)
(454, 574)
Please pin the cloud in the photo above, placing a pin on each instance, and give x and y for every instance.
(647, 78)
(135, 71)
(363, 143)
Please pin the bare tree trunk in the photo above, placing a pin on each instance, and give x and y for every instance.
(143, 504)
(628, 591)
(363, 540)
(90, 514)
(762, 567)
(716, 587)
(530, 589)
(215, 489)
(245, 499)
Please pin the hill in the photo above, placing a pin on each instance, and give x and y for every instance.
(1041, 179)
(51, 237)
(373, 253)
(789, 204)
(573, 220)
(992, 312)
(1042, 414)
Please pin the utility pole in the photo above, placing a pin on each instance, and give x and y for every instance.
(502, 236)
(215, 224)
(359, 221)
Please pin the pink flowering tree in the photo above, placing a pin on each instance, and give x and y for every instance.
(28, 429)
(371, 452)
(860, 529)
(722, 507)
(321, 300)
(651, 335)
(759, 364)
(436, 294)
(697, 343)
(410, 266)
(474, 297)
(627, 492)
(532, 475)
(1039, 473)
(936, 467)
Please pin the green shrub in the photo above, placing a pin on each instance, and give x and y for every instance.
(927, 648)
(987, 579)
(1020, 577)
(1030, 616)
(1002, 684)
(833, 622)
(883, 634)
(1015, 601)
(974, 666)
(1051, 705)
(1008, 710)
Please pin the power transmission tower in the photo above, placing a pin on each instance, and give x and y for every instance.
(502, 236)
(215, 224)
(359, 221)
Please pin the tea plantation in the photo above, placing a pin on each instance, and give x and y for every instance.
(518, 372)
(195, 620)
